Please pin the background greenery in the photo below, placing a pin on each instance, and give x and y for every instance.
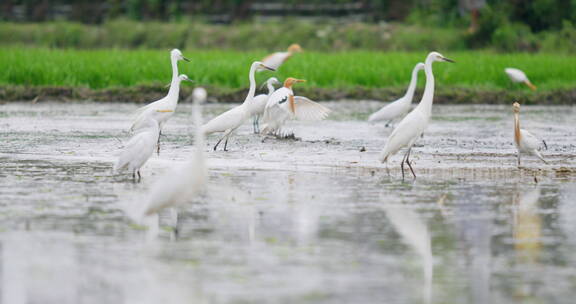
(324, 36)
(98, 69)
(320, 25)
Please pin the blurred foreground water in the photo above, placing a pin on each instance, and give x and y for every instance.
(307, 221)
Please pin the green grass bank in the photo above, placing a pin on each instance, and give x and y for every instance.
(140, 75)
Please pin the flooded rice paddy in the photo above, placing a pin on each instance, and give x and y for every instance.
(290, 221)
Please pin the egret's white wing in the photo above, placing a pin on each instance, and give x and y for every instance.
(306, 109)
(529, 141)
(392, 110)
(230, 119)
(275, 60)
(405, 134)
(178, 186)
(137, 151)
(258, 104)
(274, 114)
(274, 117)
(516, 75)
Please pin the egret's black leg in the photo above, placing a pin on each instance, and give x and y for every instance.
(139, 176)
(402, 165)
(226, 144)
(158, 144)
(216, 146)
(408, 162)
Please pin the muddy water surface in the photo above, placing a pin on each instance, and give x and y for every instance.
(290, 221)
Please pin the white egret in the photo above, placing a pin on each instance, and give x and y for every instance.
(185, 181)
(518, 76)
(524, 140)
(283, 105)
(139, 148)
(259, 104)
(399, 107)
(413, 125)
(275, 60)
(166, 105)
(230, 120)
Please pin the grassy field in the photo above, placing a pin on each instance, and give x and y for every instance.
(100, 69)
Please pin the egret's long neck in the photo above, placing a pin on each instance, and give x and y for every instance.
(174, 91)
(252, 89)
(517, 128)
(174, 62)
(270, 88)
(428, 96)
(198, 135)
(413, 82)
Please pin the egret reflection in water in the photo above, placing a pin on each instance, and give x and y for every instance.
(414, 233)
(474, 227)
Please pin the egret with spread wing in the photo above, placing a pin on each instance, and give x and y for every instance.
(259, 104)
(526, 142)
(518, 76)
(399, 107)
(413, 125)
(283, 105)
(275, 60)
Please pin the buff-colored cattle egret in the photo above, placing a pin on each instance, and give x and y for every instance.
(166, 105)
(399, 107)
(518, 76)
(525, 142)
(139, 148)
(259, 104)
(186, 180)
(283, 105)
(230, 120)
(275, 60)
(413, 125)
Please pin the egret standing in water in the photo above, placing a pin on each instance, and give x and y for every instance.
(275, 60)
(139, 148)
(525, 142)
(414, 124)
(185, 181)
(518, 76)
(283, 105)
(230, 120)
(166, 105)
(399, 107)
(259, 104)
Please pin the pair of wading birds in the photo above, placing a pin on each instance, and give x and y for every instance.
(414, 124)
